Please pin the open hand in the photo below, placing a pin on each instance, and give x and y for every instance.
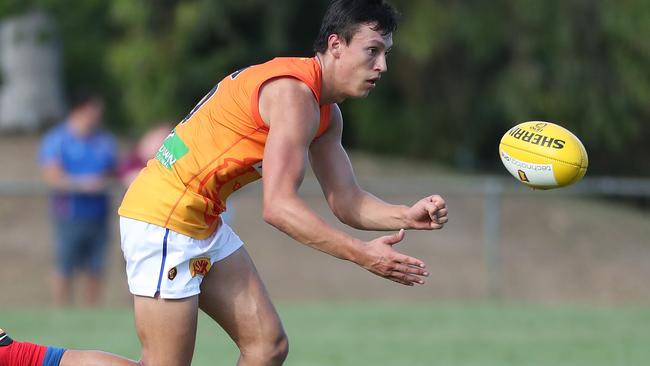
(384, 261)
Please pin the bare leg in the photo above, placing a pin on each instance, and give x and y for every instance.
(92, 288)
(94, 358)
(26, 354)
(234, 296)
(61, 289)
(167, 330)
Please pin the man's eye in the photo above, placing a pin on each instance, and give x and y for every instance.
(372, 51)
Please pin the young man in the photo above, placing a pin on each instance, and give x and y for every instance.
(77, 159)
(181, 257)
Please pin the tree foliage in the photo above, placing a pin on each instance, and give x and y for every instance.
(461, 74)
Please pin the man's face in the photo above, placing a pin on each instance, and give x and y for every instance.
(361, 61)
(87, 117)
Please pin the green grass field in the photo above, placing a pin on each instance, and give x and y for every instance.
(387, 334)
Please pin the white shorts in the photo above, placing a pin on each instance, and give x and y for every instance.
(162, 261)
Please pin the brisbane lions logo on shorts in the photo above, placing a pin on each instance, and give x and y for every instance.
(200, 266)
(172, 273)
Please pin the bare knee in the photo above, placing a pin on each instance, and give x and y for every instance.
(267, 351)
(280, 349)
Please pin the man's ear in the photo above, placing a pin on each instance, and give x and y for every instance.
(334, 44)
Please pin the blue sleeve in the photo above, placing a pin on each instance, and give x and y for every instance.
(50, 149)
(53, 356)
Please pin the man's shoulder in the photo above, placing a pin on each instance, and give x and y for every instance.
(56, 129)
(288, 83)
(52, 143)
(289, 60)
(286, 91)
(54, 134)
(304, 68)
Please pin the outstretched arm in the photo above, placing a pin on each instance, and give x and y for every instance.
(356, 207)
(290, 110)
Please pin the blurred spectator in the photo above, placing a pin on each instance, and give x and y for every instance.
(146, 149)
(77, 160)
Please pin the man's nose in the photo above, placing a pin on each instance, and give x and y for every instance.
(381, 65)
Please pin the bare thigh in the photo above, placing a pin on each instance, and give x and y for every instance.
(234, 296)
(167, 330)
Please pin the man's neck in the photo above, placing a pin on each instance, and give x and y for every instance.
(77, 128)
(327, 92)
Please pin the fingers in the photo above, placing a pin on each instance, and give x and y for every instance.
(405, 279)
(438, 201)
(436, 208)
(400, 281)
(438, 212)
(410, 261)
(432, 210)
(406, 270)
(386, 262)
(438, 217)
(410, 270)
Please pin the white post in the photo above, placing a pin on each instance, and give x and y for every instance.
(492, 190)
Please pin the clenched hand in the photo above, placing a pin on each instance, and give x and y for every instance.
(429, 213)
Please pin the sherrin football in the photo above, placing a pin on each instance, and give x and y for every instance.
(543, 155)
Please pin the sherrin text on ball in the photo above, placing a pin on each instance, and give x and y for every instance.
(543, 155)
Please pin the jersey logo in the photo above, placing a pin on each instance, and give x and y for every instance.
(200, 266)
(172, 149)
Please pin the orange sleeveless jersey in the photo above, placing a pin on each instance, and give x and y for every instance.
(217, 149)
